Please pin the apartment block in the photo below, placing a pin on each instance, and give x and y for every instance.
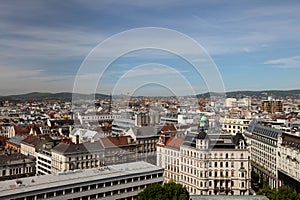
(207, 164)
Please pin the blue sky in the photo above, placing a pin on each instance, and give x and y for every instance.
(254, 44)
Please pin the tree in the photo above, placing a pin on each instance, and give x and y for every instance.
(175, 191)
(169, 191)
(268, 192)
(284, 192)
(152, 192)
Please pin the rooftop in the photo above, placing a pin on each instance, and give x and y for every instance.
(86, 147)
(116, 141)
(174, 142)
(216, 140)
(72, 177)
(9, 159)
(16, 140)
(146, 131)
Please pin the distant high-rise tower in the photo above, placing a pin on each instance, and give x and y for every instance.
(272, 106)
(142, 119)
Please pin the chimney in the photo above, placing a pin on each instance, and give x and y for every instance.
(77, 139)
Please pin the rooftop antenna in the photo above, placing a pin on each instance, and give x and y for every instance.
(30, 105)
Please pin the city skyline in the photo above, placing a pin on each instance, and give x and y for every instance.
(255, 45)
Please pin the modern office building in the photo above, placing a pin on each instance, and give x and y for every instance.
(43, 162)
(120, 125)
(142, 118)
(122, 181)
(272, 106)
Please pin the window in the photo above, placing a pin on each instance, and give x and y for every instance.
(92, 187)
(85, 188)
(77, 189)
(40, 196)
(68, 191)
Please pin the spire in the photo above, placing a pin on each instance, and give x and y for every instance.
(110, 103)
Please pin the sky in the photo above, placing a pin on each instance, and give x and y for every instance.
(46, 46)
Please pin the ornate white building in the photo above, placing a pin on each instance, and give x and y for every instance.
(289, 161)
(207, 164)
(234, 126)
(67, 157)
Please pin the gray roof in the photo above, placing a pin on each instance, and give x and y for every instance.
(267, 131)
(216, 141)
(9, 159)
(16, 140)
(64, 148)
(146, 131)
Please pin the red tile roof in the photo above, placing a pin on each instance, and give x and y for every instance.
(174, 142)
(113, 141)
(168, 127)
(36, 140)
(30, 139)
(22, 129)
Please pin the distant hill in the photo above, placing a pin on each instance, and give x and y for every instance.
(264, 93)
(39, 96)
(67, 96)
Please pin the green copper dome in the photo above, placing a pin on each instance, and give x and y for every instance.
(203, 121)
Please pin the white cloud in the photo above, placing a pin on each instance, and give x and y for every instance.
(285, 63)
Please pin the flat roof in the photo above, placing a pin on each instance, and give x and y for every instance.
(72, 177)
